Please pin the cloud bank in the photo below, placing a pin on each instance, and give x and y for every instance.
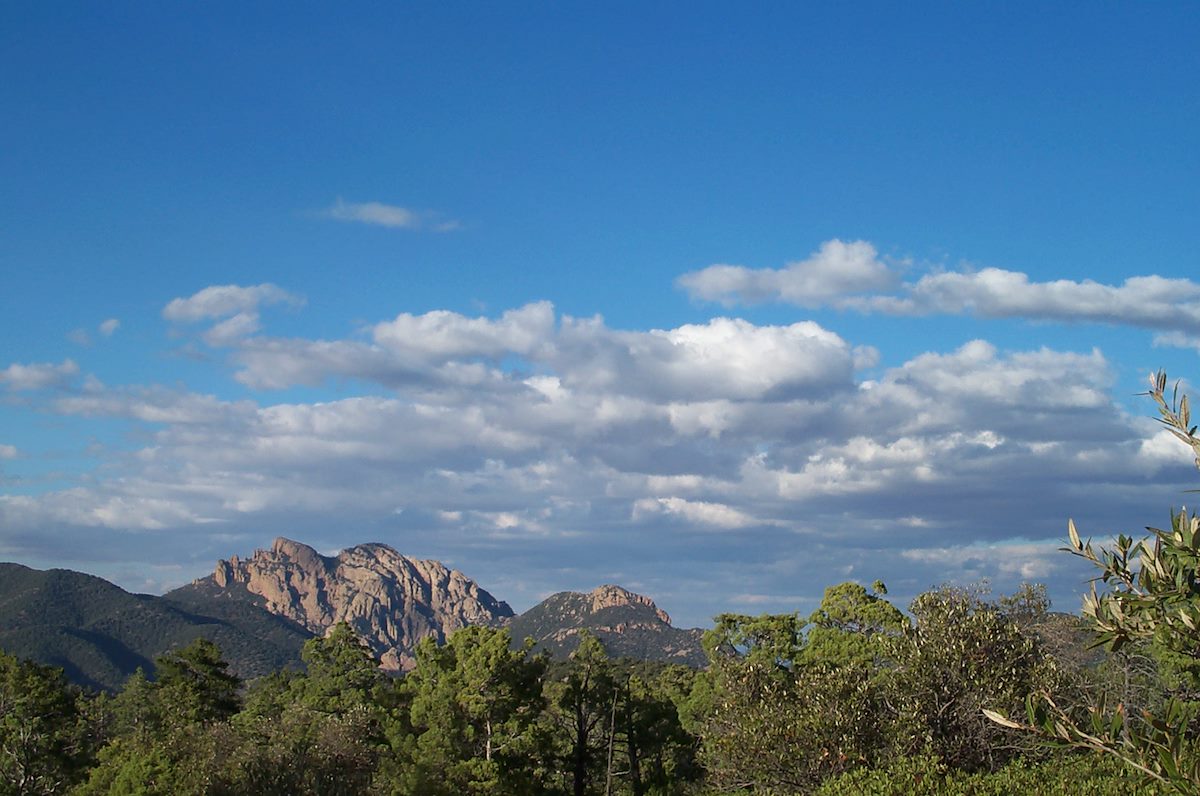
(698, 462)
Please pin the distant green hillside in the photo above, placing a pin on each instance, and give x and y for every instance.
(100, 634)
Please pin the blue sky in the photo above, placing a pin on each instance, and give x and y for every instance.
(723, 304)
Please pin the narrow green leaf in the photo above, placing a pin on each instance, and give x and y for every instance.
(1002, 720)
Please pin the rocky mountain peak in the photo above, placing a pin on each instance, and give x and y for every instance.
(609, 595)
(301, 554)
(627, 624)
(392, 601)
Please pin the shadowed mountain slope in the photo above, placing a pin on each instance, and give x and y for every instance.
(100, 634)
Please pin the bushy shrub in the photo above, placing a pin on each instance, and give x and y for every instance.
(1065, 775)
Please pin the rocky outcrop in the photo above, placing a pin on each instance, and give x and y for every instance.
(392, 601)
(627, 624)
(610, 596)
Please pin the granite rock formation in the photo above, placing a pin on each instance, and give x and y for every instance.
(391, 601)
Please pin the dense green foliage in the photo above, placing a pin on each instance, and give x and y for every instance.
(786, 705)
(43, 742)
(473, 717)
(474, 706)
(1073, 775)
(856, 698)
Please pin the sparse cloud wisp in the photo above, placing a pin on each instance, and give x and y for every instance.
(379, 214)
(219, 301)
(850, 276)
(38, 375)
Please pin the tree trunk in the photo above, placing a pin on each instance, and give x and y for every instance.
(612, 735)
(580, 751)
(487, 747)
(631, 745)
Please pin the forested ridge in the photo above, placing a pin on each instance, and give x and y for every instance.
(965, 694)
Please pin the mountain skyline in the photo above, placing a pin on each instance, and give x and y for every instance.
(725, 306)
(260, 611)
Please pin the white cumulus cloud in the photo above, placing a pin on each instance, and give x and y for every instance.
(442, 335)
(835, 270)
(724, 358)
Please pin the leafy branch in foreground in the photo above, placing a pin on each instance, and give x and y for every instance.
(1152, 594)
